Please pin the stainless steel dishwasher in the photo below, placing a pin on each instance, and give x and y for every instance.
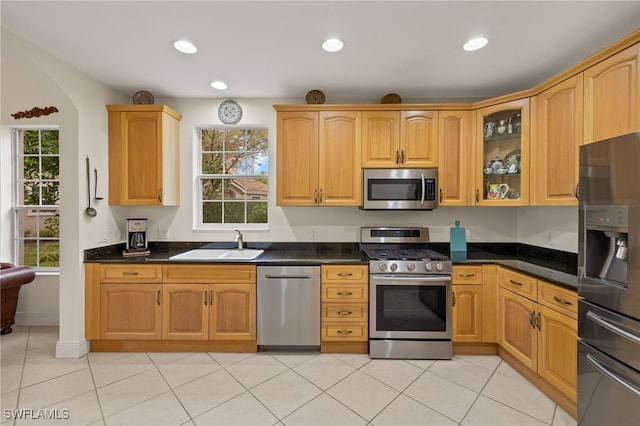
(288, 306)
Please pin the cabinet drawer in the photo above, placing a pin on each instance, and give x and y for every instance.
(345, 274)
(349, 331)
(130, 273)
(518, 283)
(351, 293)
(558, 298)
(215, 274)
(345, 312)
(467, 274)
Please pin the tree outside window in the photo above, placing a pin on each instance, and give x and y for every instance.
(234, 170)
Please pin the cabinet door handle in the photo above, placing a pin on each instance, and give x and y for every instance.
(562, 301)
(441, 196)
(344, 274)
(402, 157)
(397, 157)
(477, 195)
(516, 283)
(158, 297)
(578, 191)
(205, 296)
(538, 321)
(130, 273)
(345, 313)
(345, 293)
(345, 332)
(454, 298)
(532, 316)
(320, 195)
(211, 298)
(315, 196)
(160, 194)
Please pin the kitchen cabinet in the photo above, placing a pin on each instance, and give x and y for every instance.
(466, 318)
(557, 135)
(538, 327)
(612, 95)
(396, 139)
(502, 154)
(455, 140)
(344, 306)
(216, 302)
(144, 155)
(318, 158)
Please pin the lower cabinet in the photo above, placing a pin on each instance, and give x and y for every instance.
(131, 311)
(466, 318)
(345, 308)
(537, 325)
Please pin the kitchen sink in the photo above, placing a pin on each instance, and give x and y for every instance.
(218, 254)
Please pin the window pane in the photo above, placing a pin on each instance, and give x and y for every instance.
(212, 213)
(234, 189)
(49, 224)
(253, 163)
(257, 213)
(211, 140)
(212, 189)
(31, 167)
(235, 140)
(234, 213)
(31, 191)
(212, 164)
(51, 168)
(49, 254)
(49, 142)
(31, 142)
(50, 193)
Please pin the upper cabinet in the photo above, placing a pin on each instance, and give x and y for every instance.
(318, 158)
(393, 139)
(455, 176)
(144, 155)
(502, 154)
(556, 135)
(612, 96)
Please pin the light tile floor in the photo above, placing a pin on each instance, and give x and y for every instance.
(259, 389)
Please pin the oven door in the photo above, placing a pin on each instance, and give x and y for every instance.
(410, 307)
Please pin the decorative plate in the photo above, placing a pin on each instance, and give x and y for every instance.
(512, 161)
(142, 98)
(229, 112)
(315, 97)
(391, 98)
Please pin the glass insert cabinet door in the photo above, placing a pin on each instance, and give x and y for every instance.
(502, 163)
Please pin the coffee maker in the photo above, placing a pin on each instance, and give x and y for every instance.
(137, 235)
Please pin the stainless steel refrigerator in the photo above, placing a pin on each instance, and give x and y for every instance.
(609, 282)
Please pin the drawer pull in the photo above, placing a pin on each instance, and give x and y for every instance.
(345, 293)
(562, 301)
(345, 313)
(345, 332)
(344, 274)
(130, 273)
(466, 275)
(519, 284)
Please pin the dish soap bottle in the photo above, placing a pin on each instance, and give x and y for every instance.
(457, 243)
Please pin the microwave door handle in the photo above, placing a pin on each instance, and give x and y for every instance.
(423, 190)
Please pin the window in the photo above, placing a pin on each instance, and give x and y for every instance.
(37, 178)
(233, 180)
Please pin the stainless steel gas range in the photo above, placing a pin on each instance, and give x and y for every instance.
(409, 295)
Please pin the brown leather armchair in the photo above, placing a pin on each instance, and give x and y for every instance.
(12, 278)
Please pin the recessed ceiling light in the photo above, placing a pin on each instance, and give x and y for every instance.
(475, 44)
(220, 85)
(185, 46)
(332, 45)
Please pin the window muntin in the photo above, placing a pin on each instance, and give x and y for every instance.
(233, 182)
(37, 195)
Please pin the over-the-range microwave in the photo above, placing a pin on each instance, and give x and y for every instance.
(400, 189)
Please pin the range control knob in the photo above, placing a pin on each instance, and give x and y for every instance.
(439, 266)
(393, 267)
(428, 266)
(383, 267)
(411, 266)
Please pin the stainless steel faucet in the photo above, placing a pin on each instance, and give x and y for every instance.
(239, 239)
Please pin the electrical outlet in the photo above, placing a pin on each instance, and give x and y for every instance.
(471, 234)
(103, 236)
(314, 233)
(550, 239)
(163, 234)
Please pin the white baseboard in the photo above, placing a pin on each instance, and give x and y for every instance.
(72, 348)
(36, 319)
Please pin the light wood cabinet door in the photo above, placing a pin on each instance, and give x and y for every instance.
(380, 139)
(144, 155)
(297, 159)
(612, 96)
(557, 136)
(455, 140)
(185, 312)
(419, 139)
(558, 350)
(467, 313)
(233, 312)
(340, 176)
(131, 311)
(516, 322)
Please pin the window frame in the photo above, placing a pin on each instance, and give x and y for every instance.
(31, 210)
(199, 223)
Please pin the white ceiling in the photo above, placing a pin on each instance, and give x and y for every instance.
(271, 49)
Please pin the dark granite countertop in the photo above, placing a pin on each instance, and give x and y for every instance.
(555, 266)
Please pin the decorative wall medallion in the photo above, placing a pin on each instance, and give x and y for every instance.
(229, 112)
(35, 112)
(143, 98)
